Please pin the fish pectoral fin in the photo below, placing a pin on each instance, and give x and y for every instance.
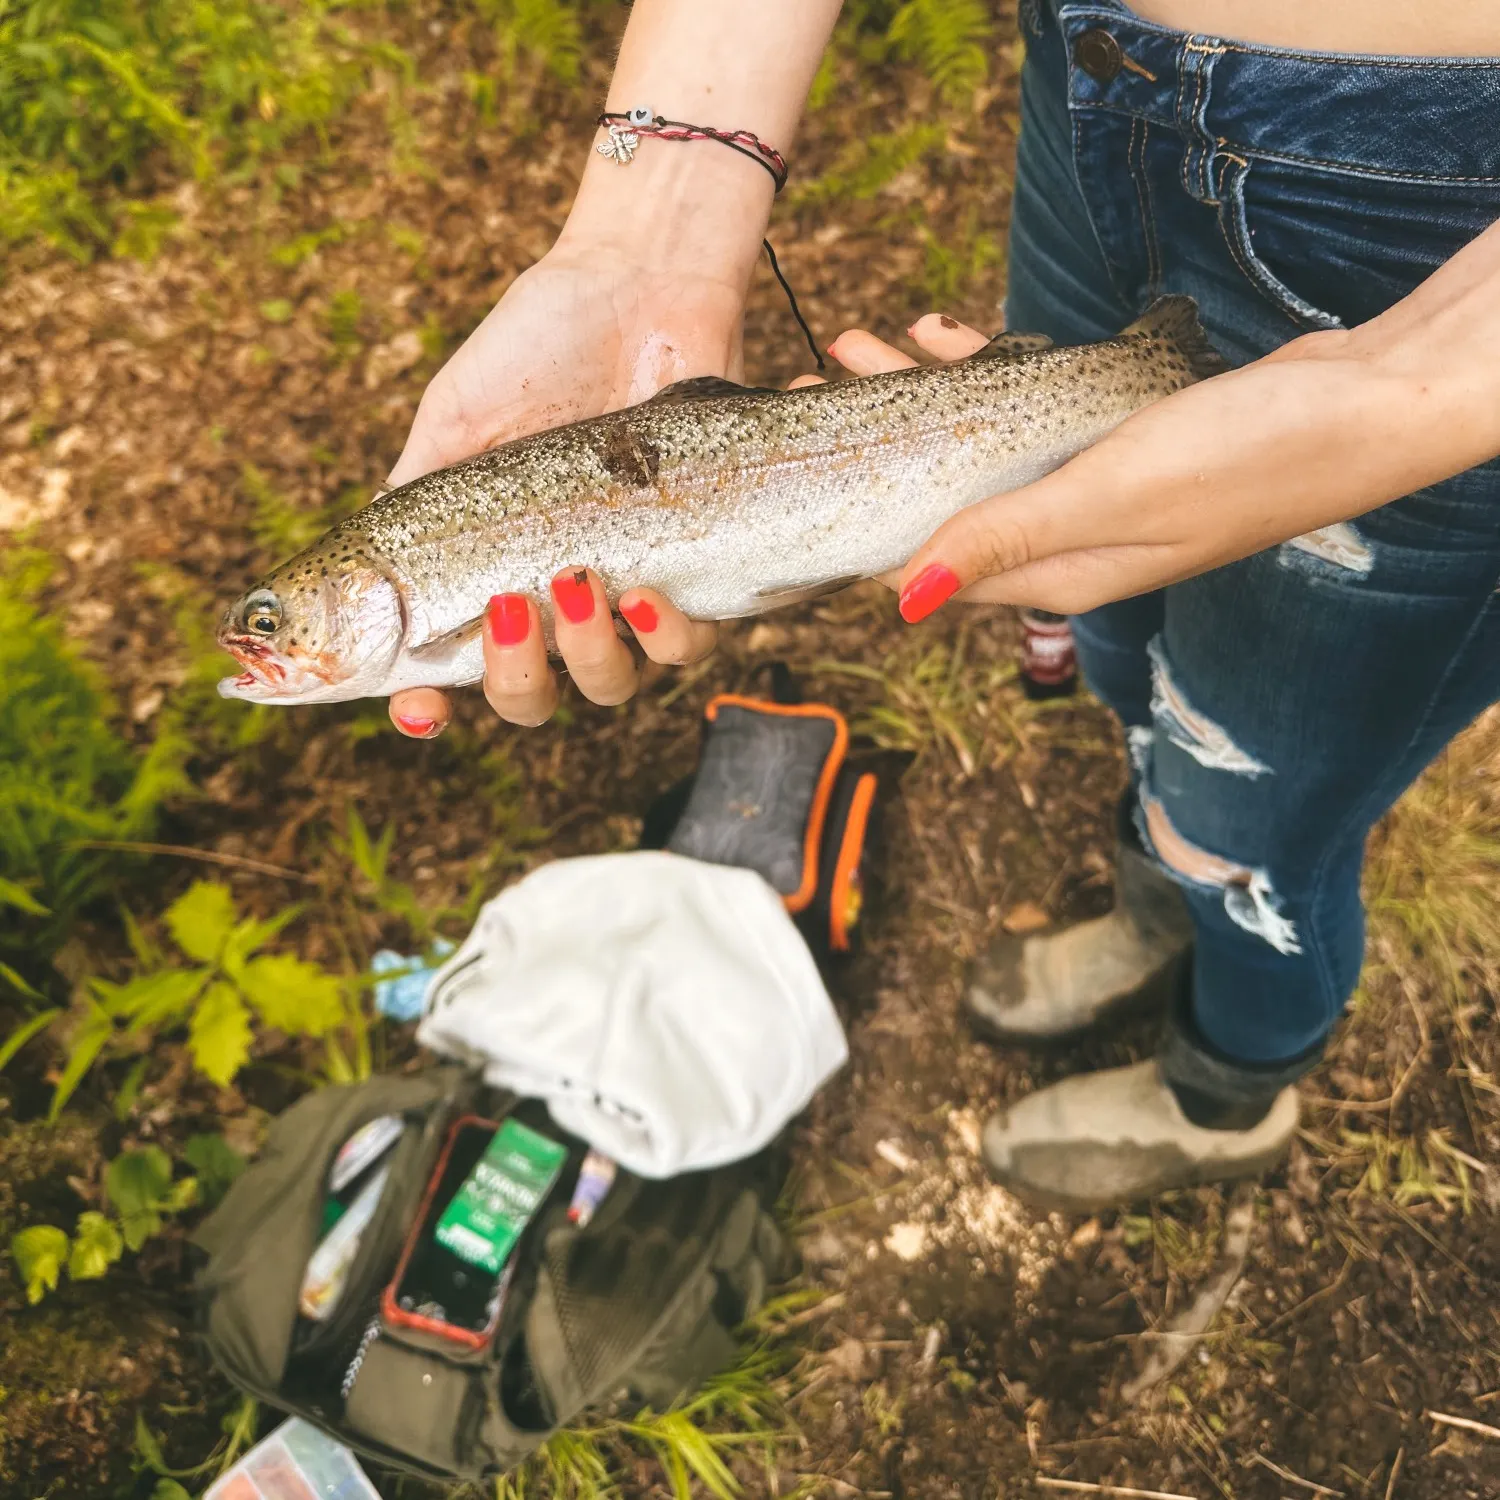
(704, 387)
(1012, 346)
(442, 645)
(777, 595)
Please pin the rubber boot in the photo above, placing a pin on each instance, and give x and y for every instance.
(1052, 984)
(1103, 1140)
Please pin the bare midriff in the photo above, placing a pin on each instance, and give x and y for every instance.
(1411, 28)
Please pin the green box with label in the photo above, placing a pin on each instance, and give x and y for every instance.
(489, 1213)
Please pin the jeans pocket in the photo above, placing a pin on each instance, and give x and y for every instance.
(1234, 224)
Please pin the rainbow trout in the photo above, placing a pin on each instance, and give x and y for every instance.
(729, 500)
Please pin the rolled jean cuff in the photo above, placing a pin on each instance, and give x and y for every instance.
(1190, 1064)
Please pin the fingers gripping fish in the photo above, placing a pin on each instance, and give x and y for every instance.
(728, 500)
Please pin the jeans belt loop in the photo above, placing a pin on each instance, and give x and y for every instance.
(1195, 70)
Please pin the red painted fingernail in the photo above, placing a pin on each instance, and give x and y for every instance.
(418, 729)
(642, 617)
(933, 586)
(510, 619)
(574, 595)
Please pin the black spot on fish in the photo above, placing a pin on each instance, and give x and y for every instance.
(628, 455)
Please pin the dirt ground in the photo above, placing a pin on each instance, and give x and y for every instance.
(967, 1347)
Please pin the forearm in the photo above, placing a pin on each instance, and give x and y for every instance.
(1327, 428)
(1330, 426)
(734, 67)
(1434, 357)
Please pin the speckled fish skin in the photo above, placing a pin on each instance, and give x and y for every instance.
(730, 501)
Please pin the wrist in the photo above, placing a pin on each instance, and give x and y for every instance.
(681, 208)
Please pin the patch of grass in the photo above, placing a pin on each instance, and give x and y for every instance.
(949, 270)
(1433, 866)
(738, 1413)
(219, 724)
(1434, 941)
(345, 309)
(1184, 1230)
(105, 101)
(67, 777)
(547, 34)
(215, 984)
(369, 858)
(279, 526)
(1427, 1168)
(939, 693)
(950, 41)
(870, 163)
(301, 248)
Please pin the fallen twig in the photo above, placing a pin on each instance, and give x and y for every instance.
(1082, 1487)
(1465, 1424)
(1178, 1338)
(1374, 1106)
(1286, 1474)
(207, 856)
(1390, 1484)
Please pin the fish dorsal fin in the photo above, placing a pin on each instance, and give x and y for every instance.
(1012, 346)
(1174, 320)
(705, 387)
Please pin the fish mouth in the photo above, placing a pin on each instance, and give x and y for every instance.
(263, 674)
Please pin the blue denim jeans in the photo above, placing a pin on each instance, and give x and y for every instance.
(1277, 707)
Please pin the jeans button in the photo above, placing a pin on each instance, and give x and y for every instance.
(1098, 54)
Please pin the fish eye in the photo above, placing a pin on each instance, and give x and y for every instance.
(263, 615)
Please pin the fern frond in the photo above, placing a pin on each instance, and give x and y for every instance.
(949, 40)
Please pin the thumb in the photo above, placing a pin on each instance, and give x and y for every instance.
(993, 536)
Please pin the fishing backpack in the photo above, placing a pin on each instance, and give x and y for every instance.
(641, 1301)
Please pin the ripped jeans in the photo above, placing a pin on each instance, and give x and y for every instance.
(1277, 707)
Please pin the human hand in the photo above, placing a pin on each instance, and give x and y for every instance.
(1326, 428)
(574, 336)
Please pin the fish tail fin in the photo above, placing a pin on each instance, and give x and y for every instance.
(1175, 319)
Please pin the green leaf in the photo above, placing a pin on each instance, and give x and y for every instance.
(89, 1038)
(219, 1037)
(130, 1089)
(25, 1031)
(338, 1067)
(252, 934)
(169, 1489)
(152, 1000)
(294, 996)
(277, 310)
(138, 1183)
(183, 1194)
(19, 897)
(148, 1445)
(360, 852)
(201, 918)
(147, 954)
(216, 1162)
(18, 984)
(96, 1247)
(39, 1253)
